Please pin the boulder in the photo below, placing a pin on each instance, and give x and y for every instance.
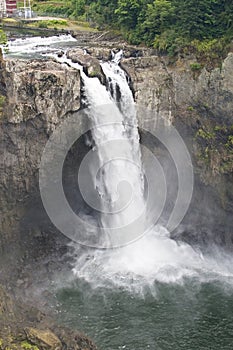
(91, 65)
(44, 339)
(101, 53)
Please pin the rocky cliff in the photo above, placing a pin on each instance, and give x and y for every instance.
(200, 104)
(36, 96)
(39, 94)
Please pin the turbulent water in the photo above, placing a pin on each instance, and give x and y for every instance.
(154, 293)
(36, 47)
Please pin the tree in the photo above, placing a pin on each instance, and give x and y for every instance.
(79, 7)
(128, 12)
(159, 17)
(197, 19)
(102, 12)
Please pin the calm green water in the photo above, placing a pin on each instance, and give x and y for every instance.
(191, 316)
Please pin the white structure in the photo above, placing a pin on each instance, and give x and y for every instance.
(27, 9)
(24, 12)
(2, 8)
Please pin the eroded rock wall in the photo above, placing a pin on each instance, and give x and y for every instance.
(38, 96)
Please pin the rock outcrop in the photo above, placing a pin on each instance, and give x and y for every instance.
(91, 65)
(39, 94)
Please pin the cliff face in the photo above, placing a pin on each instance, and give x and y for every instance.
(200, 104)
(38, 95)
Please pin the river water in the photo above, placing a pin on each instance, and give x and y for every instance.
(154, 293)
(190, 316)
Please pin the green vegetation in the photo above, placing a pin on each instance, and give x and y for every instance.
(27, 346)
(216, 147)
(56, 8)
(52, 23)
(206, 135)
(3, 38)
(204, 26)
(2, 101)
(229, 143)
(195, 66)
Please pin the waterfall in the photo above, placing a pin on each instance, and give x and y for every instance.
(115, 163)
(119, 180)
(115, 168)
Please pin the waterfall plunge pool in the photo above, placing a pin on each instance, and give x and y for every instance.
(188, 316)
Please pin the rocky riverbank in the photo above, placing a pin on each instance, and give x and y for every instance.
(26, 328)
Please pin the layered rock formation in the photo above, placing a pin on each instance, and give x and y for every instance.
(200, 104)
(38, 95)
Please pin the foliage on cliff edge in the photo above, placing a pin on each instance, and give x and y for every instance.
(168, 25)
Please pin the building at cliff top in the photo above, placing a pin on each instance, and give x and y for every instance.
(11, 6)
(8, 8)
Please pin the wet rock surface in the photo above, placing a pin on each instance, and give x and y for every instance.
(38, 96)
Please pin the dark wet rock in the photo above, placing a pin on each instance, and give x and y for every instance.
(60, 53)
(101, 53)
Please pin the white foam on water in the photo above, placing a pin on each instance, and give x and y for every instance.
(35, 44)
(155, 258)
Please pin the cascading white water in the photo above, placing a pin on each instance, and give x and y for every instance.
(155, 256)
(118, 174)
(120, 179)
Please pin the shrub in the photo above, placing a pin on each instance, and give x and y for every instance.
(42, 25)
(195, 66)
